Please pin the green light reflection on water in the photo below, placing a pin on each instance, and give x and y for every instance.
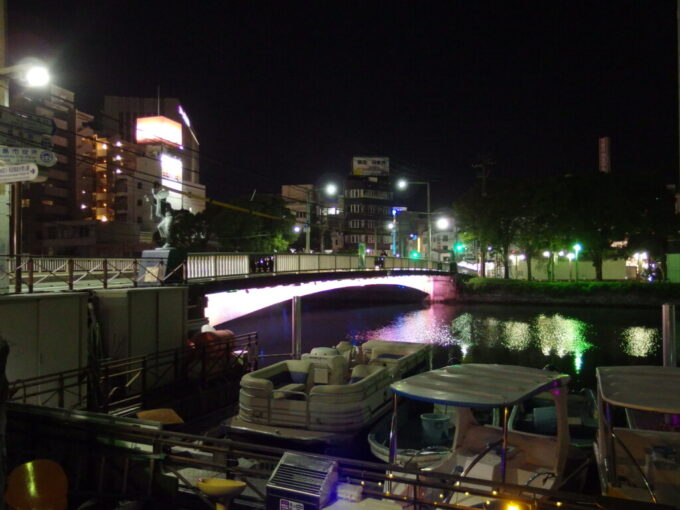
(552, 334)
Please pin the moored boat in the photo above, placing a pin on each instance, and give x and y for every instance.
(480, 449)
(327, 396)
(638, 455)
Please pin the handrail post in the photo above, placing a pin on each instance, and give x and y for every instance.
(106, 273)
(17, 274)
(70, 266)
(107, 389)
(29, 266)
(669, 338)
(135, 270)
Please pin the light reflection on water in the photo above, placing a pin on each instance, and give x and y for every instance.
(573, 340)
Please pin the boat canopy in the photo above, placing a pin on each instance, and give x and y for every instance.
(647, 388)
(479, 385)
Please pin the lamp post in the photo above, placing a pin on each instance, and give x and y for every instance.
(577, 248)
(32, 74)
(403, 184)
(330, 189)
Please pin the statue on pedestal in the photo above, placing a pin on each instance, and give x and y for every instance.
(161, 211)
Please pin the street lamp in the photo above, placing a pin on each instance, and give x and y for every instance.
(577, 248)
(403, 184)
(330, 190)
(30, 73)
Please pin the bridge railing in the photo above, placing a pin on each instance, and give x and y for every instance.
(220, 265)
(27, 273)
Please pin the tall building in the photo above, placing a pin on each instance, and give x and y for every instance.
(50, 215)
(368, 204)
(95, 200)
(170, 148)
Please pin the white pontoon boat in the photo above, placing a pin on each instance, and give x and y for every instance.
(489, 452)
(640, 460)
(327, 396)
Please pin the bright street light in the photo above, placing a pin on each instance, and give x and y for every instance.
(37, 76)
(443, 223)
(403, 184)
(297, 229)
(331, 189)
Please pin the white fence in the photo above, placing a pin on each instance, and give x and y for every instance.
(54, 273)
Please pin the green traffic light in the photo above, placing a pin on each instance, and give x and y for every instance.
(415, 254)
(459, 247)
(577, 247)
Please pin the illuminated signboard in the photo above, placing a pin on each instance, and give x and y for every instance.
(171, 178)
(159, 130)
(370, 166)
(171, 172)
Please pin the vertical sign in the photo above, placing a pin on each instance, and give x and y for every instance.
(604, 155)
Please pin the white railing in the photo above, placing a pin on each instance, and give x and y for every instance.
(48, 272)
(220, 265)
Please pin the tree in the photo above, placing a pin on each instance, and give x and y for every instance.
(474, 215)
(240, 231)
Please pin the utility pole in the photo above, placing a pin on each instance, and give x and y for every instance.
(5, 189)
(484, 165)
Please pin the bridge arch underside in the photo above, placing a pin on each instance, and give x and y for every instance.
(229, 305)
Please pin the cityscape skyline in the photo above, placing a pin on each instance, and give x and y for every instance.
(289, 94)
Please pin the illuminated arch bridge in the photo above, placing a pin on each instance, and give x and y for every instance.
(236, 284)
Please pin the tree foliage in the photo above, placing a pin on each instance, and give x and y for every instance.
(595, 210)
(221, 229)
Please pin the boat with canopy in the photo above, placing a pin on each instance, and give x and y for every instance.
(638, 451)
(483, 450)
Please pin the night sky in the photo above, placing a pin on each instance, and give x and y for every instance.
(288, 91)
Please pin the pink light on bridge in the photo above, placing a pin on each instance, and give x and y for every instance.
(226, 306)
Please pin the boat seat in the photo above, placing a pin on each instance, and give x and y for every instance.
(327, 369)
(360, 372)
(279, 393)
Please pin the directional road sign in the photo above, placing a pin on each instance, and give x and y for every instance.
(17, 155)
(18, 173)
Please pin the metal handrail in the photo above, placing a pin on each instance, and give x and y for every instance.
(32, 271)
(136, 367)
(62, 426)
(652, 494)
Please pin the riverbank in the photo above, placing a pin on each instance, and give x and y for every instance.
(637, 294)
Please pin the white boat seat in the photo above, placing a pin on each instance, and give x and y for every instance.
(360, 372)
(279, 393)
(327, 369)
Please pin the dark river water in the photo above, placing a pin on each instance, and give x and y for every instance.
(573, 340)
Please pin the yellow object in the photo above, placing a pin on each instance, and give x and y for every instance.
(164, 416)
(220, 487)
(37, 485)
